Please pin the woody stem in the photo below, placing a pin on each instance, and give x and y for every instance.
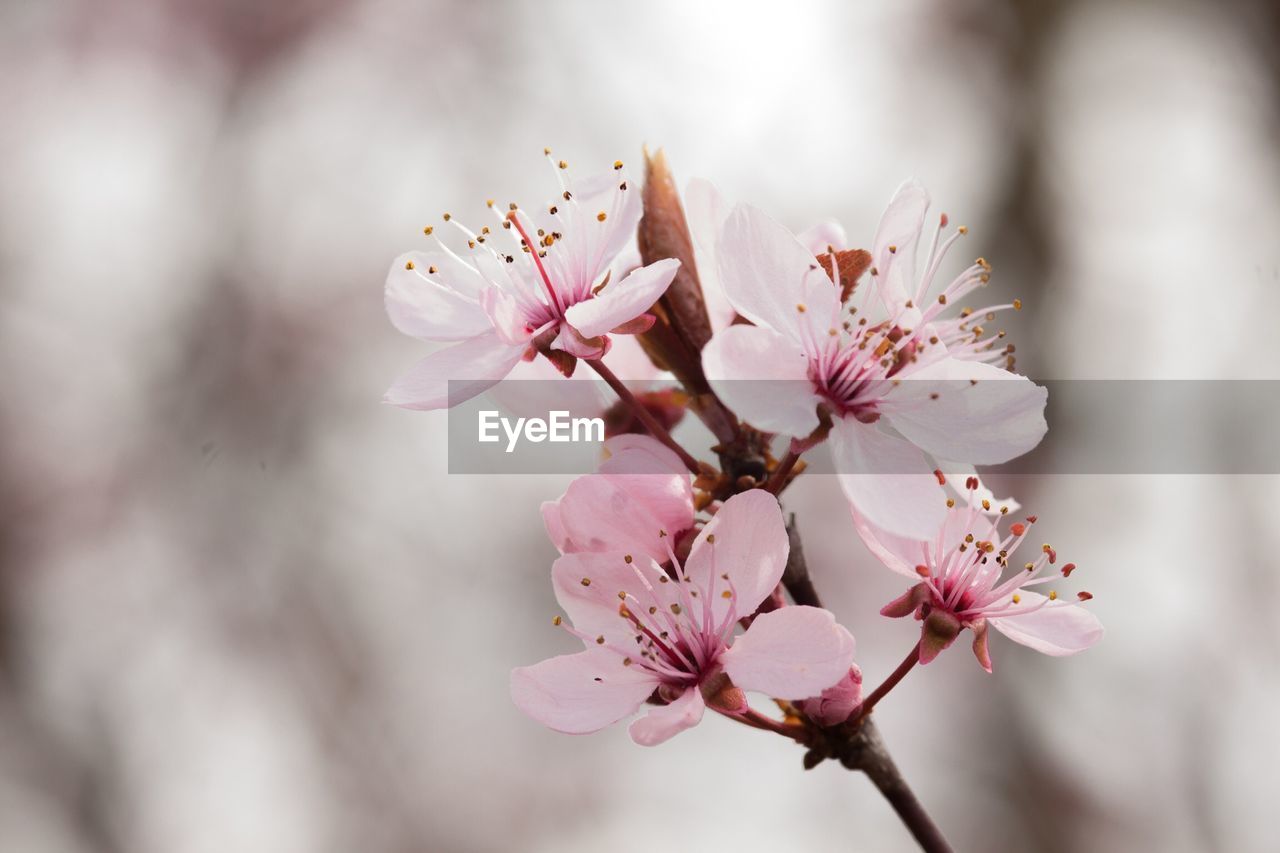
(656, 429)
(778, 480)
(872, 757)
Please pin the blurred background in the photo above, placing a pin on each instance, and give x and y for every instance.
(243, 607)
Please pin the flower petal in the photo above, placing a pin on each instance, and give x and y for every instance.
(970, 411)
(900, 228)
(425, 304)
(624, 300)
(824, 236)
(651, 473)
(665, 722)
(455, 374)
(581, 693)
(792, 653)
(626, 513)
(587, 585)
(772, 279)
(706, 211)
(750, 546)
(1056, 630)
(896, 552)
(764, 377)
(554, 524)
(887, 480)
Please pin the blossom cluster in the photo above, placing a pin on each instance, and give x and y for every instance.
(676, 574)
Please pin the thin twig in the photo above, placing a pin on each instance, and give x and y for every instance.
(656, 429)
(912, 658)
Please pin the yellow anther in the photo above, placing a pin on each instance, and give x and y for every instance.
(1017, 305)
(963, 229)
(408, 265)
(586, 581)
(1053, 595)
(447, 217)
(617, 164)
(601, 216)
(556, 621)
(428, 230)
(1017, 599)
(563, 164)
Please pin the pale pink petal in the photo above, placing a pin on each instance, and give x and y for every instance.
(425, 304)
(750, 546)
(706, 211)
(506, 316)
(665, 722)
(899, 230)
(587, 585)
(887, 480)
(772, 279)
(582, 693)
(981, 414)
(623, 300)
(821, 238)
(763, 377)
(455, 374)
(791, 653)
(632, 453)
(653, 475)
(837, 702)
(1056, 630)
(554, 524)
(603, 512)
(629, 362)
(896, 552)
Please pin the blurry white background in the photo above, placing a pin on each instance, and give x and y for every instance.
(242, 605)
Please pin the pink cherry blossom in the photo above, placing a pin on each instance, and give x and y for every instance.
(853, 359)
(669, 633)
(540, 276)
(639, 500)
(967, 578)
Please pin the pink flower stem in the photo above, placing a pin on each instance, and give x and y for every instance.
(656, 429)
(756, 720)
(888, 684)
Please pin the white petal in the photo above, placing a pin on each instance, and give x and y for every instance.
(887, 480)
(1057, 630)
(982, 414)
(772, 279)
(763, 377)
(455, 374)
(623, 300)
(426, 305)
